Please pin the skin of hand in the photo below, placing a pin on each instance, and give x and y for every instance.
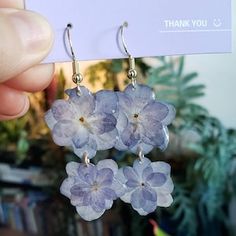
(26, 39)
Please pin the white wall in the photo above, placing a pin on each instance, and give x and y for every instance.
(218, 73)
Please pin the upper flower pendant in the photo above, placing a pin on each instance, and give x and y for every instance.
(92, 188)
(142, 121)
(86, 123)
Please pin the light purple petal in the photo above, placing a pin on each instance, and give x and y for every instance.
(107, 140)
(126, 104)
(78, 191)
(131, 183)
(49, 119)
(98, 201)
(156, 179)
(81, 138)
(149, 194)
(84, 105)
(108, 193)
(105, 177)
(87, 213)
(130, 135)
(149, 207)
(88, 173)
(108, 163)
(102, 123)
(164, 168)
(63, 132)
(90, 148)
(137, 199)
(87, 199)
(158, 111)
(156, 135)
(147, 172)
(62, 110)
(141, 91)
(106, 101)
(129, 173)
(139, 166)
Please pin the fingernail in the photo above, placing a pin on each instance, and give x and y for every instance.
(23, 111)
(34, 31)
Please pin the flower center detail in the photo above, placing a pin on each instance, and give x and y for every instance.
(142, 184)
(81, 119)
(136, 115)
(95, 186)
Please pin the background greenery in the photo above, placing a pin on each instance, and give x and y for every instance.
(202, 152)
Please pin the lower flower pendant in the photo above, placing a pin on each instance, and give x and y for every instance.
(92, 188)
(148, 185)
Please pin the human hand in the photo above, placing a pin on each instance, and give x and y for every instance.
(25, 39)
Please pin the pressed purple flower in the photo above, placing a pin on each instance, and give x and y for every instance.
(92, 189)
(142, 121)
(86, 123)
(148, 185)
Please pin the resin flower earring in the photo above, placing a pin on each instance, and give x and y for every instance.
(85, 121)
(92, 188)
(142, 120)
(142, 125)
(130, 120)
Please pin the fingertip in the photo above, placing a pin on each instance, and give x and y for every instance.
(35, 79)
(26, 39)
(21, 113)
(13, 103)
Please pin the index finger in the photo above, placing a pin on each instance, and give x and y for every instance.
(12, 4)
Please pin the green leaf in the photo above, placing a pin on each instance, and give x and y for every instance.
(189, 77)
(181, 66)
(116, 66)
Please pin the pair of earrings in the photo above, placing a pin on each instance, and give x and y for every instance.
(130, 120)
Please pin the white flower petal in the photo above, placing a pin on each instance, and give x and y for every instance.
(161, 166)
(164, 200)
(90, 148)
(106, 140)
(119, 187)
(66, 186)
(139, 166)
(72, 168)
(146, 148)
(108, 163)
(127, 196)
(87, 213)
(49, 119)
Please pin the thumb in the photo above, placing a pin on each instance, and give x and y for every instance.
(25, 40)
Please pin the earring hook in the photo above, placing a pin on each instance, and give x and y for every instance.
(132, 73)
(125, 24)
(77, 77)
(68, 27)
